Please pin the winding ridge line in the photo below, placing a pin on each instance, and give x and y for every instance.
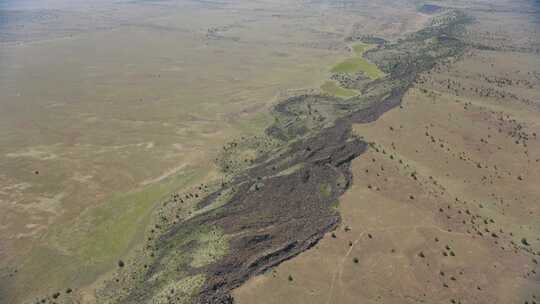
(273, 217)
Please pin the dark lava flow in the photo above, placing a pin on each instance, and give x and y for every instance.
(273, 217)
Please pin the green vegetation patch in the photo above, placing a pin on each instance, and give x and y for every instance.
(194, 246)
(101, 235)
(331, 87)
(239, 154)
(360, 48)
(211, 246)
(256, 124)
(341, 180)
(181, 290)
(119, 221)
(225, 196)
(326, 190)
(357, 65)
(289, 170)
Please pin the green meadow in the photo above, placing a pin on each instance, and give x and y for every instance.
(358, 64)
(101, 235)
(353, 65)
(332, 88)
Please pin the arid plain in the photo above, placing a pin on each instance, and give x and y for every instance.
(109, 111)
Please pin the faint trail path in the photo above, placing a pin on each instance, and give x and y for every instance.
(339, 270)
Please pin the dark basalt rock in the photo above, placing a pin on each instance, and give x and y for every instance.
(290, 213)
(430, 9)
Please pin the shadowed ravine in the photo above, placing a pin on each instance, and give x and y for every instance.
(284, 202)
